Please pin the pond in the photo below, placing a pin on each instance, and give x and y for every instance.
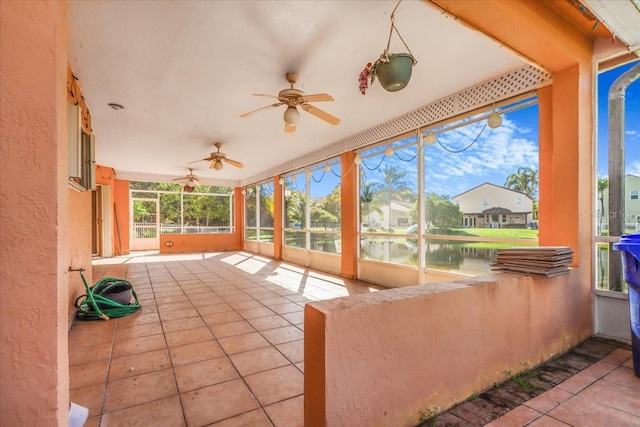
(471, 258)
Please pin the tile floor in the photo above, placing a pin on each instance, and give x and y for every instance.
(606, 393)
(219, 342)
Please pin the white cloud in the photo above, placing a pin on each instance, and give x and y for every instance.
(631, 132)
(633, 168)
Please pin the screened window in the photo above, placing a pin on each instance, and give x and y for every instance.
(388, 202)
(312, 207)
(208, 209)
(634, 194)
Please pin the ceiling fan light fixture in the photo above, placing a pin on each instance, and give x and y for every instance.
(191, 182)
(291, 116)
(217, 165)
(188, 189)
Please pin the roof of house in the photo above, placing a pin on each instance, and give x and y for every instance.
(494, 185)
(495, 210)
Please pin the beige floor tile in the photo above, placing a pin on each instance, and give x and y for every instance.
(520, 416)
(577, 382)
(255, 418)
(196, 352)
(258, 360)
(617, 356)
(295, 318)
(300, 366)
(87, 337)
(547, 421)
(214, 308)
(230, 329)
(624, 376)
(188, 336)
(241, 296)
(220, 318)
(245, 304)
(268, 322)
(252, 313)
(287, 413)
(138, 345)
(599, 369)
(138, 364)
(290, 307)
(140, 317)
(245, 342)
(269, 302)
(549, 399)
(182, 324)
(90, 397)
(137, 331)
(203, 374)
(276, 384)
(88, 354)
(88, 374)
(283, 335)
(579, 411)
(179, 314)
(137, 390)
(165, 412)
(218, 402)
(614, 395)
(294, 350)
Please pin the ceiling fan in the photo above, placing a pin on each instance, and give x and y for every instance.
(294, 98)
(216, 159)
(191, 181)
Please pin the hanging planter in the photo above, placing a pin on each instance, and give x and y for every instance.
(393, 70)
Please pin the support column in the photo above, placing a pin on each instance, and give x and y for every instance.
(34, 249)
(349, 198)
(277, 217)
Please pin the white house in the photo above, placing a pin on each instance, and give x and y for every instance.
(399, 216)
(631, 205)
(490, 205)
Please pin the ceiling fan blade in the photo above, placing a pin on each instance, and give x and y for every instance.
(289, 128)
(260, 109)
(268, 96)
(233, 162)
(320, 114)
(318, 97)
(201, 160)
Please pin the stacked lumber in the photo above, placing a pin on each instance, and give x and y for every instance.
(547, 261)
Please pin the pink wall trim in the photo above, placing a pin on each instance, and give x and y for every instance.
(389, 355)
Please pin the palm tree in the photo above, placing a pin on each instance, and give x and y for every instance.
(524, 180)
(393, 186)
(367, 203)
(603, 184)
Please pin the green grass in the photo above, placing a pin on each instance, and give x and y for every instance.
(499, 233)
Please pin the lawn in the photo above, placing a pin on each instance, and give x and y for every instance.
(499, 233)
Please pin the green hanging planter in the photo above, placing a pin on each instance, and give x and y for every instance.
(396, 73)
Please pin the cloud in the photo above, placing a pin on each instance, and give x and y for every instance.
(631, 132)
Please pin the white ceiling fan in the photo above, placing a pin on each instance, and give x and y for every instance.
(216, 158)
(190, 181)
(294, 98)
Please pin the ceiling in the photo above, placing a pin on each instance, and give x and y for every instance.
(185, 72)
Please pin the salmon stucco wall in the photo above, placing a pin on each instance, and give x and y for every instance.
(379, 359)
(35, 245)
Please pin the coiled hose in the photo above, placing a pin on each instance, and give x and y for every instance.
(109, 297)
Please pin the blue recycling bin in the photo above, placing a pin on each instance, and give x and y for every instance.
(629, 247)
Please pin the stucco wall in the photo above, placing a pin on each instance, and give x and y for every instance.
(34, 248)
(381, 358)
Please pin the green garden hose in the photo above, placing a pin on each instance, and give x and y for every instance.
(101, 300)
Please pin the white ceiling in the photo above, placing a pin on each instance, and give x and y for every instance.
(185, 71)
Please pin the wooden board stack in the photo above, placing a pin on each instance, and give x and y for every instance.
(547, 261)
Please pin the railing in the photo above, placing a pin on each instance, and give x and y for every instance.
(150, 231)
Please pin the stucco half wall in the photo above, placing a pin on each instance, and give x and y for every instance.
(379, 359)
